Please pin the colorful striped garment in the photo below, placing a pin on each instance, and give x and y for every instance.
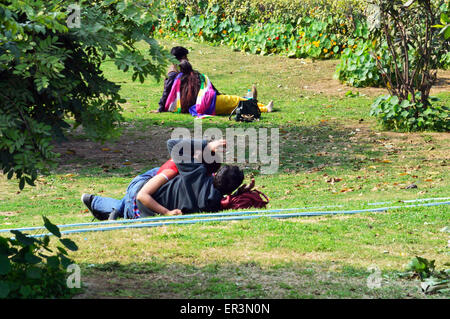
(206, 98)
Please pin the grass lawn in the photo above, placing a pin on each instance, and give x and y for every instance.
(331, 153)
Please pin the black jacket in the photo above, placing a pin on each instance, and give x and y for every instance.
(192, 190)
(168, 82)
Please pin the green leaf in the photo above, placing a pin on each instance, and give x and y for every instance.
(446, 32)
(34, 273)
(32, 259)
(5, 265)
(69, 244)
(53, 262)
(51, 227)
(4, 289)
(65, 262)
(22, 183)
(23, 239)
(25, 291)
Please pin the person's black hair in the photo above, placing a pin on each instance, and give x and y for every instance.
(179, 52)
(190, 85)
(186, 67)
(214, 166)
(228, 179)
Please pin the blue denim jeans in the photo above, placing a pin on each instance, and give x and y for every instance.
(105, 205)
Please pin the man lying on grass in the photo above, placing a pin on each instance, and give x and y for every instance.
(196, 185)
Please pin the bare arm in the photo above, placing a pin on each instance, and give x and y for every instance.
(146, 192)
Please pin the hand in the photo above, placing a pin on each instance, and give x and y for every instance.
(246, 188)
(216, 144)
(174, 212)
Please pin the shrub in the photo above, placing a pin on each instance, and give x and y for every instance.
(358, 63)
(51, 74)
(313, 33)
(30, 269)
(247, 12)
(408, 115)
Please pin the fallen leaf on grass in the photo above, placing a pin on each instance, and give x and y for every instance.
(345, 190)
(334, 180)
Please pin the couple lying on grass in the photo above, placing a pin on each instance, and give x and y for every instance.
(188, 91)
(190, 182)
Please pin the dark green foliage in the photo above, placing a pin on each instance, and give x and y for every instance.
(50, 73)
(433, 280)
(409, 115)
(415, 54)
(30, 269)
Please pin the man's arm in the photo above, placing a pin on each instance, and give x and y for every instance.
(146, 192)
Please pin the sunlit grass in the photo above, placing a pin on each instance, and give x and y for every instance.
(332, 153)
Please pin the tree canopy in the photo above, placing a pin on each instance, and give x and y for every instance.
(50, 75)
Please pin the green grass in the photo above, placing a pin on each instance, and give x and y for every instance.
(331, 153)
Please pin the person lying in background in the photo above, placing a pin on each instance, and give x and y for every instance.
(193, 92)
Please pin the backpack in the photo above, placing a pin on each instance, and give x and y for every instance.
(246, 111)
(246, 199)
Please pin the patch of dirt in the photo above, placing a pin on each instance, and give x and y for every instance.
(136, 151)
(331, 86)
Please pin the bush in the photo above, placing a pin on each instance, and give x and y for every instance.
(407, 115)
(51, 74)
(312, 32)
(248, 12)
(30, 269)
(358, 64)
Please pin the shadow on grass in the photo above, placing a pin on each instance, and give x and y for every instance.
(143, 146)
(160, 279)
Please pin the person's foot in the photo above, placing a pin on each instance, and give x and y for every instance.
(270, 106)
(114, 215)
(254, 92)
(86, 199)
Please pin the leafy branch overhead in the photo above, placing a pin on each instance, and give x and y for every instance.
(50, 72)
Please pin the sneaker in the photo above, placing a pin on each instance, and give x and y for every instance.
(86, 199)
(270, 106)
(254, 92)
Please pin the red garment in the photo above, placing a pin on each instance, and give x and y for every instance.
(170, 165)
(249, 199)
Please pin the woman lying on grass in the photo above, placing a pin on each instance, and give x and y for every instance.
(192, 92)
